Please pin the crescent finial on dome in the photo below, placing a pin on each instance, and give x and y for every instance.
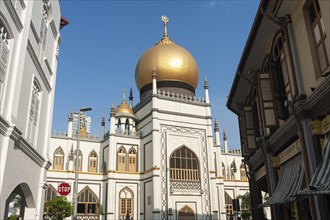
(165, 39)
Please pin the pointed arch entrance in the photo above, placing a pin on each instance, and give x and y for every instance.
(126, 199)
(88, 204)
(186, 213)
(18, 201)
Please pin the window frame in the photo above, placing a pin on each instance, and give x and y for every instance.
(321, 43)
(183, 172)
(92, 161)
(58, 156)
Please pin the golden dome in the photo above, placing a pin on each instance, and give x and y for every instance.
(123, 108)
(172, 63)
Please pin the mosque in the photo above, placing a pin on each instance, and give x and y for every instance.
(160, 158)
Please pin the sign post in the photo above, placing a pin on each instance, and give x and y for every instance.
(64, 189)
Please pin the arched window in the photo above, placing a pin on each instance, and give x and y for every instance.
(184, 165)
(92, 161)
(58, 159)
(121, 159)
(233, 170)
(132, 160)
(87, 202)
(243, 172)
(50, 193)
(119, 130)
(80, 160)
(127, 126)
(34, 112)
(4, 52)
(224, 171)
(126, 205)
(186, 213)
(280, 75)
(229, 204)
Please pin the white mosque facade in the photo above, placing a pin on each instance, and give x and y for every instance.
(159, 159)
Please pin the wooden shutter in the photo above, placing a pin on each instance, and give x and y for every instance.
(249, 129)
(4, 53)
(279, 90)
(36, 110)
(267, 102)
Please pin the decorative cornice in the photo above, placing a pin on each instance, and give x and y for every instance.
(4, 126)
(48, 164)
(257, 159)
(25, 147)
(20, 143)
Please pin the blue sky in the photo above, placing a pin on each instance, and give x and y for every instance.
(105, 39)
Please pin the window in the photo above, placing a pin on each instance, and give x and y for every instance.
(229, 204)
(80, 160)
(34, 112)
(184, 165)
(58, 159)
(233, 170)
(4, 54)
(50, 194)
(319, 35)
(223, 171)
(243, 173)
(92, 162)
(88, 202)
(121, 159)
(44, 26)
(186, 213)
(127, 131)
(280, 73)
(132, 160)
(126, 204)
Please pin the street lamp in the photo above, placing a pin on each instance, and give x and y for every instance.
(75, 192)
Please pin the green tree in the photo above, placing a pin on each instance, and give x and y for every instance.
(245, 203)
(58, 208)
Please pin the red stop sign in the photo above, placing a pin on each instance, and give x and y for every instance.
(64, 189)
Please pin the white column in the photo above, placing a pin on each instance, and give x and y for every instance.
(70, 125)
(102, 126)
(225, 141)
(112, 129)
(216, 133)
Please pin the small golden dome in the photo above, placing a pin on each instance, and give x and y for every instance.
(172, 63)
(123, 108)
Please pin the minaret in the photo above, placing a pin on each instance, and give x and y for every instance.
(216, 133)
(102, 126)
(124, 96)
(206, 89)
(70, 125)
(154, 81)
(225, 141)
(71, 157)
(131, 98)
(112, 119)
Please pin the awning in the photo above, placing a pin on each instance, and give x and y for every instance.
(290, 179)
(320, 183)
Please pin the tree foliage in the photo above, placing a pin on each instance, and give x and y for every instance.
(58, 208)
(245, 199)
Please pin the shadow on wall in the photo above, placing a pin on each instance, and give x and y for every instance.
(185, 213)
